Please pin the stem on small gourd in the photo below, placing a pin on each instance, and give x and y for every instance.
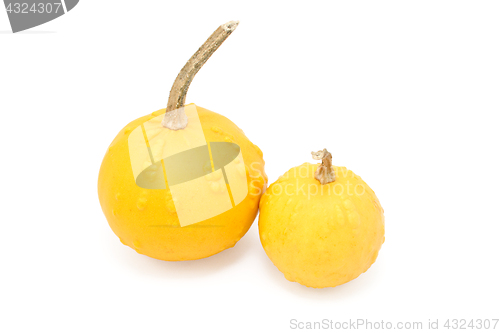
(325, 173)
(175, 117)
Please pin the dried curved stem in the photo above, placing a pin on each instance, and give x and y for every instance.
(181, 84)
(325, 173)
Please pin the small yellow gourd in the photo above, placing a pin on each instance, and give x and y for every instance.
(321, 225)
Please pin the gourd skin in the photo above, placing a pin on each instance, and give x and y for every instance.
(318, 235)
(146, 220)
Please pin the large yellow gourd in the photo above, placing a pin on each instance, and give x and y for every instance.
(146, 219)
(178, 221)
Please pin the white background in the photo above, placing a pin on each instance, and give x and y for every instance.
(404, 93)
